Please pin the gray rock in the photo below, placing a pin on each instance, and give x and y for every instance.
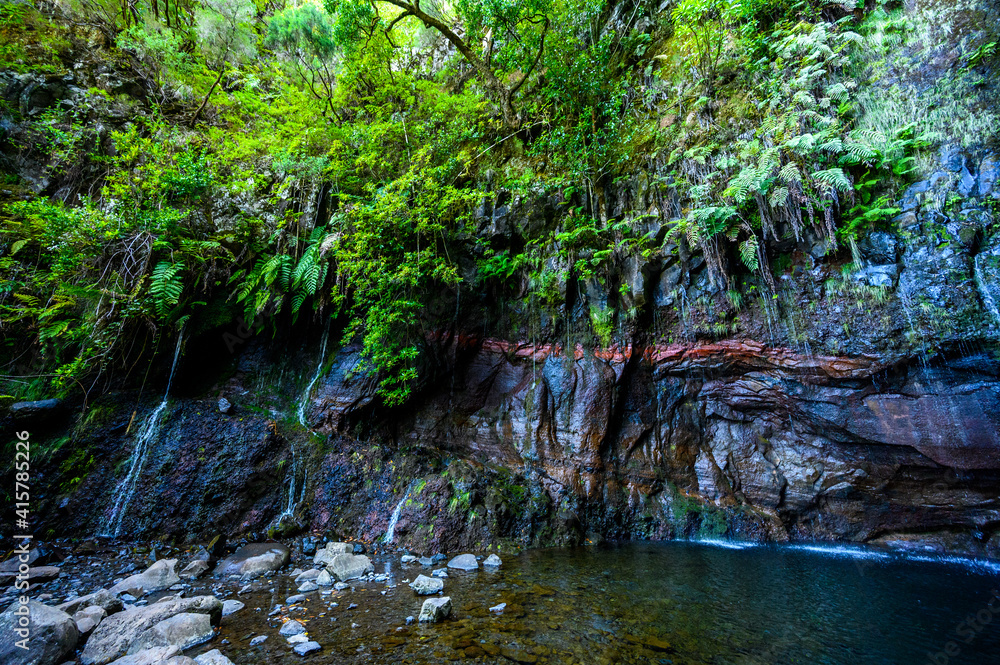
(298, 639)
(308, 547)
(426, 561)
(340, 586)
(464, 562)
(213, 657)
(410, 619)
(880, 247)
(231, 606)
(88, 618)
(498, 608)
(180, 660)
(307, 587)
(884, 276)
(425, 586)
(350, 566)
(297, 598)
(254, 559)
(324, 578)
(22, 411)
(225, 406)
(157, 577)
(183, 630)
(308, 576)
(440, 572)
(435, 609)
(52, 635)
(989, 173)
(493, 561)
(154, 656)
(408, 558)
(325, 555)
(113, 637)
(103, 599)
(195, 569)
(260, 639)
(306, 647)
(292, 627)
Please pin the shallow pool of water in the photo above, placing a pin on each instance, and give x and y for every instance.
(677, 603)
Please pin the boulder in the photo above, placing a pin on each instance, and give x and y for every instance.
(464, 562)
(255, 559)
(425, 586)
(113, 637)
(231, 606)
(183, 630)
(195, 569)
(492, 561)
(350, 566)
(102, 598)
(435, 609)
(88, 618)
(36, 573)
(292, 627)
(157, 577)
(325, 554)
(213, 657)
(35, 556)
(154, 656)
(53, 635)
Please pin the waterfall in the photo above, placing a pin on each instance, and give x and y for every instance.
(390, 532)
(319, 370)
(143, 440)
(986, 289)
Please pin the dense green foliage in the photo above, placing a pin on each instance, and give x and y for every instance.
(328, 160)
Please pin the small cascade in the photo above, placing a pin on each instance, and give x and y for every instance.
(319, 370)
(390, 532)
(988, 290)
(143, 442)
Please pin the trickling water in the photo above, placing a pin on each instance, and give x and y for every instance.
(390, 532)
(985, 289)
(143, 440)
(319, 370)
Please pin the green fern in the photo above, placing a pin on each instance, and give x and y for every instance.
(165, 287)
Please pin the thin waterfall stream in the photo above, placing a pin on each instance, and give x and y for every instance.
(390, 532)
(292, 499)
(143, 442)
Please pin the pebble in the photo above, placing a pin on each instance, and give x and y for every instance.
(260, 639)
(308, 586)
(297, 598)
(352, 606)
(340, 586)
(408, 558)
(493, 561)
(298, 639)
(306, 647)
(498, 608)
(410, 619)
(440, 572)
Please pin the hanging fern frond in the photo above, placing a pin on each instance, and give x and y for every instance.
(834, 178)
(748, 253)
(165, 287)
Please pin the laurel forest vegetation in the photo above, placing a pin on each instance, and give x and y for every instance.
(344, 162)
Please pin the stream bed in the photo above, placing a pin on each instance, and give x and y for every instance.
(677, 603)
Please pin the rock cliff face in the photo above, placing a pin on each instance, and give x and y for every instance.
(861, 403)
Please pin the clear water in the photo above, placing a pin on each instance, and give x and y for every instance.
(677, 603)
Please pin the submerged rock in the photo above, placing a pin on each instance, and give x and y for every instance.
(464, 562)
(255, 559)
(435, 609)
(425, 586)
(292, 627)
(53, 635)
(306, 647)
(492, 561)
